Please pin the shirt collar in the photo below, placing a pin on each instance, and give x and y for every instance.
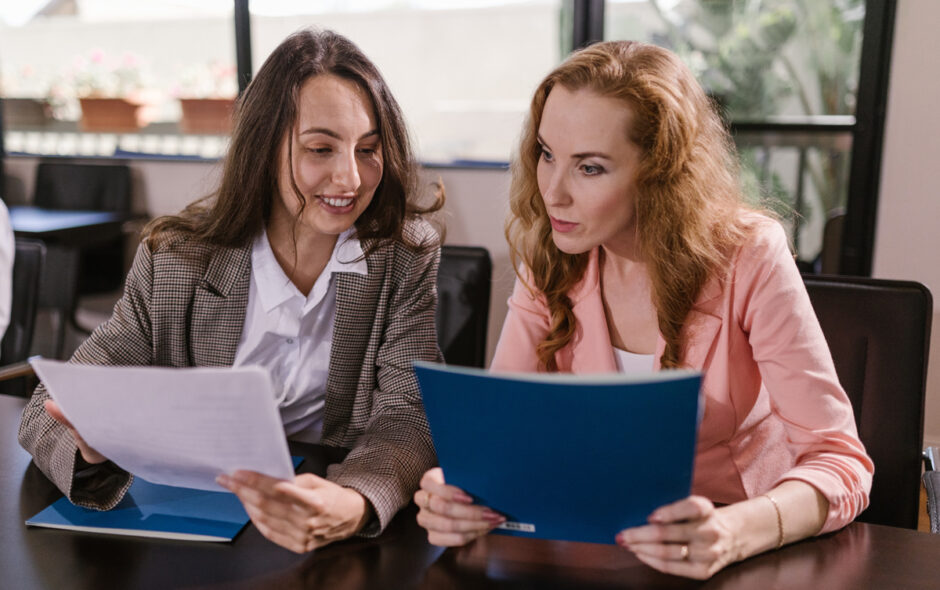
(347, 254)
(272, 284)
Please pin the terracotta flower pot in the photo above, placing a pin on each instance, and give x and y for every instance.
(26, 112)
(112, 114)
(207, 115)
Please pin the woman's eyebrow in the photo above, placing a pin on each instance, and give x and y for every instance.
(331, 133)
(578, 156)
(583, 155)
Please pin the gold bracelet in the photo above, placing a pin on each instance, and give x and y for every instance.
(779, 520)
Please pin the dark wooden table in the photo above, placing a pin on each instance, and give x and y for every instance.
(74, 228)
(64, 233)
(860, 556)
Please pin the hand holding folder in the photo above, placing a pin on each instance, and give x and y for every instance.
(525, 446)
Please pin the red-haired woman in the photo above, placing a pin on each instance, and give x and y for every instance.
(638, 253)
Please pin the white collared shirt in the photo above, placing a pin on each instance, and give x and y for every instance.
(291, 335)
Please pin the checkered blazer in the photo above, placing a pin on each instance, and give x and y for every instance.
(184, 306)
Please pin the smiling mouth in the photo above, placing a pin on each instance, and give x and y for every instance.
(337, 203)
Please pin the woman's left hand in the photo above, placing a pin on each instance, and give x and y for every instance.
(302, 514)
(688, 538)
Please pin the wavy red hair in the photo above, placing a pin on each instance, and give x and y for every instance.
(688, 204)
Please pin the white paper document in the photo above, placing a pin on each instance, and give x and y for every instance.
(178, 427)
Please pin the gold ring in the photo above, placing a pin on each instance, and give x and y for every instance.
(427, 500)
(684, 553)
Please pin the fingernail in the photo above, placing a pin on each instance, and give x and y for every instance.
(222, 480)
(494, 517)
(462, 497)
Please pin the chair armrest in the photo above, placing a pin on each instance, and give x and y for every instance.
(932, 459)
(932, 485)
(16, 370)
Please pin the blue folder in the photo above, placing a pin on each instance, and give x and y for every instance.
(152, 510)
(564, 457)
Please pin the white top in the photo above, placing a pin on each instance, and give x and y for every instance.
(7, 251)
(630, 362)
(290, 335)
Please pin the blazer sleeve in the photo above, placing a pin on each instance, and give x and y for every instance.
(125, 339)
(387, 461)
(797, 369)
(526, 325)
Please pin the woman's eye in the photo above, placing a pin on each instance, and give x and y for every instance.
(545, 154)
(368, 151)
(592, 170)
(320, 150)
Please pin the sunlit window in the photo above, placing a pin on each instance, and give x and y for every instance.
(462, 70)
(107, 77)
(785, 73)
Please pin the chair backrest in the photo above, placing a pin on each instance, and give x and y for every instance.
(27, 270)
(463, 304)
(879, 335)
(92, 187)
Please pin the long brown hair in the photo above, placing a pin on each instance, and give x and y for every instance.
(688, 200)
(264, 114)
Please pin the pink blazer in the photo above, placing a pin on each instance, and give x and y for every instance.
(774, 409)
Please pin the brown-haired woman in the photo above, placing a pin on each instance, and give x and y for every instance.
(638, 253)
(311, 260)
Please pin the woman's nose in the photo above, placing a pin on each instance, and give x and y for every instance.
(555, 191)
(346, 172)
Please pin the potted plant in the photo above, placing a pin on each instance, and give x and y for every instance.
(207, 96)
(111, 92)
(24, 103)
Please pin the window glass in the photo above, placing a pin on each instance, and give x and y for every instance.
(759, 58)
(463, 71)
(102, 77)
(785, 73)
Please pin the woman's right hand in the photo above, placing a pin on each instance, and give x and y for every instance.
(449, 515)
(89, 454)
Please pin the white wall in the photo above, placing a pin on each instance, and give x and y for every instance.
(907, 243)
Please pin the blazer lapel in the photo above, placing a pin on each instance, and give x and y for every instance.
(219, 305)
(353, 325)
(701, 329)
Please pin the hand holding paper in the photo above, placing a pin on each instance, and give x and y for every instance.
(179, 427)
(302, 514)
(89, 454)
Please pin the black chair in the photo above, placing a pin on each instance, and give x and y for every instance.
(89, 187)
(14, 349)
(463, 304)
(879, 335)
(96, 265)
